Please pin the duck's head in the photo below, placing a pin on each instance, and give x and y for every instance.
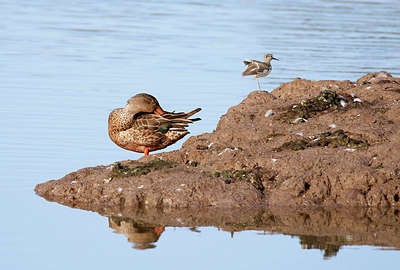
(143, 103)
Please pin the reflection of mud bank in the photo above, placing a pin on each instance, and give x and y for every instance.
(308, 143)
(324, 229)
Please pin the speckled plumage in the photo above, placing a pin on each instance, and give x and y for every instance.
(143, 124)
(258, 68)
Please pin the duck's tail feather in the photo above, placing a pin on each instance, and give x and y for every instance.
(181, 115)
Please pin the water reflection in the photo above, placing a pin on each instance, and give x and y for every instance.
(330, 245)
(142, 235)
(327, 230)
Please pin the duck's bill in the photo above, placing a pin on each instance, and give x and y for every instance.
(159, 111)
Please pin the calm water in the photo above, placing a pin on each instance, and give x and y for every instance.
(66, 64)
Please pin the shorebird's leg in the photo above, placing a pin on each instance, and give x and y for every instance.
(146, 151)
(258, 83)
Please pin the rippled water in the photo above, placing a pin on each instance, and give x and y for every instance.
(66, 64)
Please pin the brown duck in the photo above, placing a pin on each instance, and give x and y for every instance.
(258, 68)
(143, 126)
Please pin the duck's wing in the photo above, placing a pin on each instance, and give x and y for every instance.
(147, 122)
(166, 122)
(182, 115)
(178, 121)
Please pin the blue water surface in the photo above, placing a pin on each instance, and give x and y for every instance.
(65, 65)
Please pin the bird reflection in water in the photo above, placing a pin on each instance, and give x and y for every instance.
(143, 236)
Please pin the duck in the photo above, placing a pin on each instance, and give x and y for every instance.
(143, 126)
(258, 68)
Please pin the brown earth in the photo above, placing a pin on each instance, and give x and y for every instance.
(308, 143)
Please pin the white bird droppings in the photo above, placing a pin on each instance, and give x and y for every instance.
(269, 113)
(357, 100)
(300, 119)
(141, 186)
(225, 150)
(228, 149)
(332, 125)
(350, 149)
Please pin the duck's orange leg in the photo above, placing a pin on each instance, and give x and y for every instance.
(159, 230)
(146, 151)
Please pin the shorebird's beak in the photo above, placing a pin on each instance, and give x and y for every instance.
(275, 58)
(159, 111)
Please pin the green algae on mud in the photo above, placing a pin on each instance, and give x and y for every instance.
(326, 100)
(254, 176)
(339, 138)
(119, 170)
(292, 145)
(329, 139)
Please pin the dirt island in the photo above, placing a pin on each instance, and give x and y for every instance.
(307, 143)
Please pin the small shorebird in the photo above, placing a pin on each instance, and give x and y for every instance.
(258, 68)
(143, 126)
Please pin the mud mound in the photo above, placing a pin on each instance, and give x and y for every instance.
(308, 143)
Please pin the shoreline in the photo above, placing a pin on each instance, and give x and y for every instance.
(305, 144)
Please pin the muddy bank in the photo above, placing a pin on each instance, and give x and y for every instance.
(308, 143)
